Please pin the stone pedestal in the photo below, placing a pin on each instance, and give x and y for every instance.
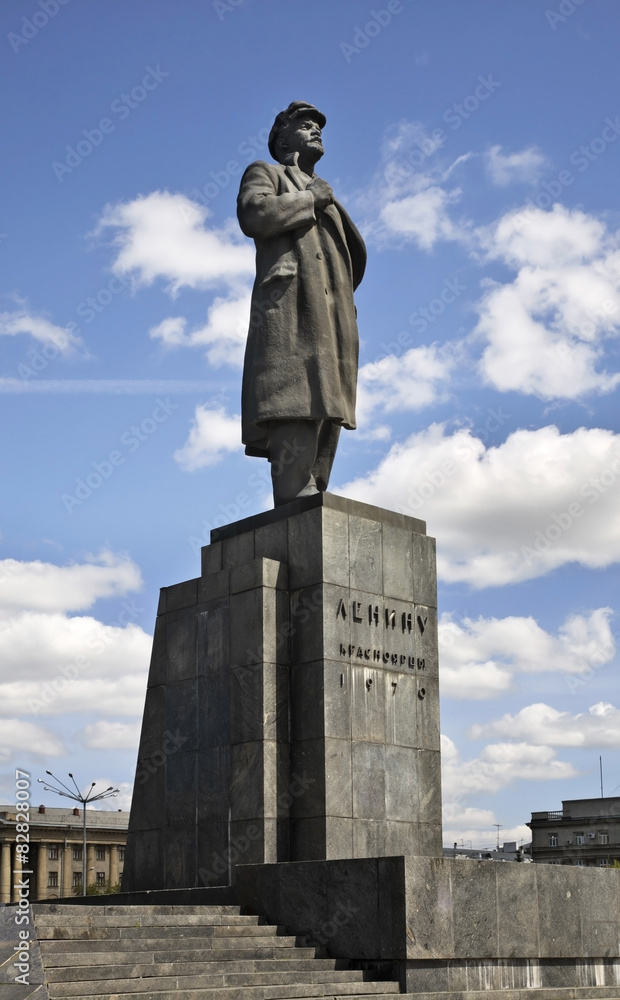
(454, 929)
(292, 711)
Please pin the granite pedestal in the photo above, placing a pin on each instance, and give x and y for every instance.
(292, 711)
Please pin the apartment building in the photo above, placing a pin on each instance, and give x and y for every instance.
(583, 832)
(56, 850)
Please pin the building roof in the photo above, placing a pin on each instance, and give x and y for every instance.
(581, 809)
(101, 819)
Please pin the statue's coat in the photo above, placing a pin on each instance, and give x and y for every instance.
(302, 349)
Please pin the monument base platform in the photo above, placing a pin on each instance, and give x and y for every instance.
(453, 928)
(446, 929)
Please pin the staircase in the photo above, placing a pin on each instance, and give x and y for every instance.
(184, 953)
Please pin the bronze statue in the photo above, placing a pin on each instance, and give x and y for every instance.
(300, 370)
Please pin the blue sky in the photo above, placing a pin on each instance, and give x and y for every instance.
(477, 146)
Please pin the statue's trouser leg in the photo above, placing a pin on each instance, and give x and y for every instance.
(292, 453)
(329, 432)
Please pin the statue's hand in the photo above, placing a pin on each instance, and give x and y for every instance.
(322, 193)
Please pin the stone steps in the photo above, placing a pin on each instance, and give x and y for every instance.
(185, 953)
(221, 979)
(328, 968)
(180, 953)
(197, 987)
(152, 920)
(240, 936)
(200, 994)
(101, 910)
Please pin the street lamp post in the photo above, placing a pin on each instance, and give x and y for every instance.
(77, 796)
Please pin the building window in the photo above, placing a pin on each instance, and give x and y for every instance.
(553, 840)
(121, 854)
(580, 862)
(77, 853)
(100, 878)
(603, 862)
(52, 852)
(603, 838)
(77, 879)
(100, 853)
(579, 839)
(52, 880)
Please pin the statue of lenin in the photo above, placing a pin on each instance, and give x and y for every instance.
(300, 369)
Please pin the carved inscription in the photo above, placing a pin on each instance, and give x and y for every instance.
(390, 616)
(382, 656)
(374, 622)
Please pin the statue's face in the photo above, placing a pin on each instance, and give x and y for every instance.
(303, 136)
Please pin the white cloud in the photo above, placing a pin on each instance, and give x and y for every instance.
(39, 327)
(506, 168)
(39, 645)
(72, 665)
(224, 333)
(423, 217)
(212, 434)
(406, 146)
(545, 331)
(163, 235)
(406, 199)
(473, 827)
(392, 384)
(479, 658)
(540, 724)
(513, 512)
(39, 586)
(106, 735)
(560, 237)
(121, 801)
(51, 663)
(498, 766)
(171, 332)
(18, 736)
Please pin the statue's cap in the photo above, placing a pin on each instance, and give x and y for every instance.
(283, 120)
